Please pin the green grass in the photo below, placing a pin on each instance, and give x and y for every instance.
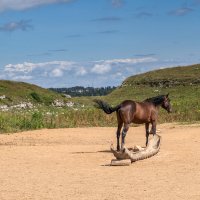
(17, 92)
(53, 118)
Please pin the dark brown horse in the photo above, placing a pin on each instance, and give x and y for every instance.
(136, 112)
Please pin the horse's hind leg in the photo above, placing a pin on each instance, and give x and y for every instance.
(153, 127)
(120, 124)
(147, 132)
(124, 132)
(118, 135)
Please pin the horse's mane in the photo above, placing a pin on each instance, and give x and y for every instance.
(155, 100)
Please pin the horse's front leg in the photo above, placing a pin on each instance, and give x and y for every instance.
(147, 132)
(124, 132)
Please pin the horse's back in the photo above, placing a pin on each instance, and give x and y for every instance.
(128, 105)
(136, 112)
(126, 111)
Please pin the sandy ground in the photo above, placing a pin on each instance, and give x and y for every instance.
(73, 164)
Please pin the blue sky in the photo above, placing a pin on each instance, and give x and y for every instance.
(64, 43)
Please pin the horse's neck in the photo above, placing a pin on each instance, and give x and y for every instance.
(155, 104)
(156, 101)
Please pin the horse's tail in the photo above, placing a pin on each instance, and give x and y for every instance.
(105, 107)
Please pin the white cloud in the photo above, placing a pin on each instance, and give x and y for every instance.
(23, 25)
(57, 73)
(181, 11)
(132, 60)
(68, 73)
(118, 74)
(27, 67)
(22, 78)
(101, 68)
(25, 4)
(105, 66)
(81, 71)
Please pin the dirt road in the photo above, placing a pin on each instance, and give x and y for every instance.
(69, 164)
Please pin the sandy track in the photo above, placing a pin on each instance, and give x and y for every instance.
(73, 164)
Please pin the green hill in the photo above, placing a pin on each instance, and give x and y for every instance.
(182, 83)
(167, 77)
(159, 81)
(16, 92)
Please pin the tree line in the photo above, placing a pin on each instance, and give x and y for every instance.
(78, 91)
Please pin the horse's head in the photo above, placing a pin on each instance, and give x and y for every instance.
(166, 103)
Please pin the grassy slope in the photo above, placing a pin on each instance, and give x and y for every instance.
(17, 92)
(16, 120)
(186, 74)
